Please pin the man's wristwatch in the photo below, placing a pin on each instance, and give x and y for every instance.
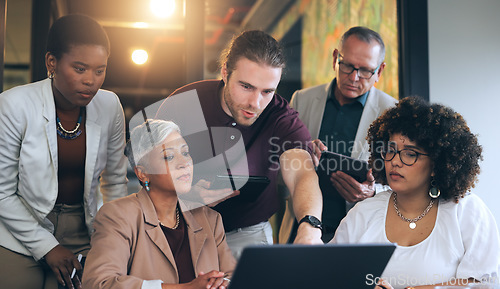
(313, 221)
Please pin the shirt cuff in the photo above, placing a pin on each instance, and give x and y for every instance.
(151, 284)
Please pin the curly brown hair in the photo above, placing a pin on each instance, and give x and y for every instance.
(439, 131)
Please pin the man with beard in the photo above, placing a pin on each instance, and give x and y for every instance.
(274, 139)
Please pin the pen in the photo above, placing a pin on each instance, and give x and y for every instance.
(74, 269)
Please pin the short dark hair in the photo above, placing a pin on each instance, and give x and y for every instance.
(441, 132)
(367, 35)
(255, 45)
(75, 29)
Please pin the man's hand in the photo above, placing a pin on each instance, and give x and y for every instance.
(308, 235)
(62, 261)
(212, 197)
(350, 189)
(318, 148)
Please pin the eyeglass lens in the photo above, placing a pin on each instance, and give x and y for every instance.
(348, 69)
(407, 156)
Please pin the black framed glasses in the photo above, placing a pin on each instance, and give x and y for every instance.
(407, 156)
(362, 72)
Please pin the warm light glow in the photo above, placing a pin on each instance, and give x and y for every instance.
(139, 56)
(141, 25)
(162, 8)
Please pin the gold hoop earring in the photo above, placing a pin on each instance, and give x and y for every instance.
(50, 74)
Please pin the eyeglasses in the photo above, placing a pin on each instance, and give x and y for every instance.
(362, 73)
(407, 156)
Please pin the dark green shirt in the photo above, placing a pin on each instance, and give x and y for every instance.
(337, 132)
(340, 123)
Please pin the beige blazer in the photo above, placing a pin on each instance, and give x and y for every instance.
(28, 163)
(310, 103)
(129, 247)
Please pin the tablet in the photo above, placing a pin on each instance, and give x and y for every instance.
(331, 162)
(250, 187)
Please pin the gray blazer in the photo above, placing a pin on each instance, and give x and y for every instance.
(28, 166)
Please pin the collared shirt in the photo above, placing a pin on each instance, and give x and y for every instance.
(277, 129)
(338, 132)
(340, 122)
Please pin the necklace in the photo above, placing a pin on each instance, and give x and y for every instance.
(177, 220)
(70, 134)
(412, 222)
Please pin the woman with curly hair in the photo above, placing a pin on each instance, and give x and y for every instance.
(428, 156)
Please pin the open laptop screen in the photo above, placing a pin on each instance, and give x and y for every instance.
(289, 266)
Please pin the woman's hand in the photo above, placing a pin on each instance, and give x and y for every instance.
(211, 280)
(62, 261)
(213, 197)
(217, 281)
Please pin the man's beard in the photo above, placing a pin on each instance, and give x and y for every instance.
(235, 110)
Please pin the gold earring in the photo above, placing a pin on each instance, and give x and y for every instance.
(50, 74)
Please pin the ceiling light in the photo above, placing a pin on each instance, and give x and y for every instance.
(139, 56)
(162, 8)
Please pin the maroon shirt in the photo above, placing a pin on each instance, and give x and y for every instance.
(71, 160)
(276, 130)
(178, 240)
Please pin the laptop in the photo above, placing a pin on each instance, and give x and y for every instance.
(338, 266)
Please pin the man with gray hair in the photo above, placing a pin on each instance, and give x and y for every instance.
(338, 115)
